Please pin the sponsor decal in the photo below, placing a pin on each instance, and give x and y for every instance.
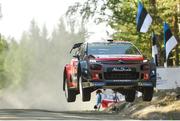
(121, 69)
(122, 80)
(99, 83)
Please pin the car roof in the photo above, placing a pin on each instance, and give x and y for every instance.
(108, 42)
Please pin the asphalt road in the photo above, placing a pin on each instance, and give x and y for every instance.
(36, 114)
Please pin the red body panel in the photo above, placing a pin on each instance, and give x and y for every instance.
(71, 70)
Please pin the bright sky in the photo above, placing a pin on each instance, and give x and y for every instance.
(17, 15)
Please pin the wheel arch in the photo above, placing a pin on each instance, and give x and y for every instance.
(66, 75)
(83, 69)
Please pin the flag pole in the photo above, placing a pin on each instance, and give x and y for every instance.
(165, 59)
(154, 47)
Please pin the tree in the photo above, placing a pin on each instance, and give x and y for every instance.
(4, 80)
(168, 11)
(122, 19)
(38, 57)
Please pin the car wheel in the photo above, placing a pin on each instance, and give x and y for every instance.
(85, 93)
(147, 93)
(69, 93)
(130, 95)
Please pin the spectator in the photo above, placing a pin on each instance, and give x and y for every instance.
(98, 99)
(116, 100)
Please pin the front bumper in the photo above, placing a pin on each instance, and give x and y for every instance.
(122, 75)
(117, 84)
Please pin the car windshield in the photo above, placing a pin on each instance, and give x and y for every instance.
(112, 49)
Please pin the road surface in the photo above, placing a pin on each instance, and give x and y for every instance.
(36, 114)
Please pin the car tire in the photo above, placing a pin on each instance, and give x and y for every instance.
(85, 93)
(70, 94)
(130, 95)
(147, 93)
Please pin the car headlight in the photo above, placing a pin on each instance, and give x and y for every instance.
(95, 67)
(145, 67)
(145, 61)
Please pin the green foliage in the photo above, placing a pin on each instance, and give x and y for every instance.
(123, 20)
(37, 57)
(3, 74)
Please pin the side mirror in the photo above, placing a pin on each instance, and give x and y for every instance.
(144, 56)
(145, 59)
(77, 45)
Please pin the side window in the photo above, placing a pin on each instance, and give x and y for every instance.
(77, 53)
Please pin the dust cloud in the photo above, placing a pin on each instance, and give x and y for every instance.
(42, 85)
(42, 90)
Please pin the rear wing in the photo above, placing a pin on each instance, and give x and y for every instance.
(77, 45)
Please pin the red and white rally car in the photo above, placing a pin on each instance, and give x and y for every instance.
(115, 65)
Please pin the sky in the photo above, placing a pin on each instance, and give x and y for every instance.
(17, 14)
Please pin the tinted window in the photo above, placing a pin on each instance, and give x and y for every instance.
(112, 48)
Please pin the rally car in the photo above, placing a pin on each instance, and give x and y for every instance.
(116, 65)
